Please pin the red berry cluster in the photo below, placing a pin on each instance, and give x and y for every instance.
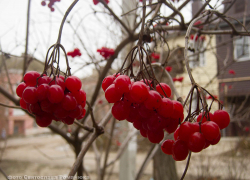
(150, 111)
(196, 136)
(202, 38)
(74, 53)
(97, 1)
(106, 52)
(155, 56)
(50, 5)
(180, 79)
(168, 68)
(59, 99)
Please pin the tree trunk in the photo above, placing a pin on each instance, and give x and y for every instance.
(164, 167)
(78, 146)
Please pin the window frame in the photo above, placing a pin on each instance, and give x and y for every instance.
(244, 58)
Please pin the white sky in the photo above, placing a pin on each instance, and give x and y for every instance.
(44, 26)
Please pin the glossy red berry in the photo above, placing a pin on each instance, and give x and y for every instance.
(206, 117)
(180, 150)
(196, 142)
(55, 94)
(167, 146)
(167, 108)
(73, 83)
(163, 87)
(122, 84)
(20, 88)
(221, 118)
(210, 130)
(153, 101)
(42, 92)
(112, 94)
(69, 102)
(44, 120)
(23, 104)
(178, 109)
(120, 110)
(155, 136)
(185, 131)
(30, 78)
(30, 95)
(107, 81)
(139, 92)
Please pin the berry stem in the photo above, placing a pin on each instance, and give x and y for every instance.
(186, 168)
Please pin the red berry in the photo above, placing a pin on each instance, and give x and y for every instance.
(178, 109)
(30, 78)
(77, 112)
(122, 84)
(167, 146)
(155, 136)
(121, 110)
(216, 140)
(185, 131)
(58, 81)
(153, 101)
(42, 92)
(30, 95)
(107, 81)
(162, 87)
(56, 94)
(44, 120)
(180, 150)
(167, 108)
(221, 118)
(210, 130)
(73, 83)
(47, 106)
(20, 88)
(196, 142)
(172, 125)
(139, 92)
(43, 3)
(36, 109)
(69, 102)
(206, 117)
(23, 104)
(44, 80)
(80, 97)
(112, 94)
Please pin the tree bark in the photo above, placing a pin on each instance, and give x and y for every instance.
(78, 146)
(164, 167)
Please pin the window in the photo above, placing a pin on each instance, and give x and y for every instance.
(241, 49)
(196, 54)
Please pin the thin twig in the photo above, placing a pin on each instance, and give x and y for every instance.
(83, 126)
(186, 168)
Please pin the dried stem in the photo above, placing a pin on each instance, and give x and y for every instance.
(83, 126)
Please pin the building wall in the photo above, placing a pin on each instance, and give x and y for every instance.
(202, 75)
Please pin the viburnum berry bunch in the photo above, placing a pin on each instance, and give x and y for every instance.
(50, 5)
(74, 53)
(106, 52)
(150, 111)
(58, 98)
(196, 136)
(97, 1)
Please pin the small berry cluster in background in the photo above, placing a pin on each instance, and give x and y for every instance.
(155, 56)
(180, 79)
(201, 38)
(74, 53)
(196, 136)
(150, 111)
(50, 99)
(97, 1)
(106, 52)
(50, 5)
